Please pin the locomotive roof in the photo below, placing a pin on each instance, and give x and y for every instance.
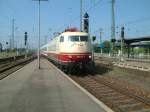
(74, 33)
(70, 33)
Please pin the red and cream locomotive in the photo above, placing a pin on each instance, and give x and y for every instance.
(70, 49)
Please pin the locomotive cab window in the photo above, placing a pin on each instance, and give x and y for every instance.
(61, 39)
(84, 38)
(78, 38)
(74, 38)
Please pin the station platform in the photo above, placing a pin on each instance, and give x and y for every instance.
(46, 90)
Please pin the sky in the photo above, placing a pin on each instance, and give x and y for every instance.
(56, 15)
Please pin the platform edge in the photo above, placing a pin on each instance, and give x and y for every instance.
(105, 107)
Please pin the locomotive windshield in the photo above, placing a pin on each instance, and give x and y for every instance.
(78, 38)
(84, 38)
(74, 38)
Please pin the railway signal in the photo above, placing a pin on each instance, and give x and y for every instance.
(25, 38)
(7, 47)
(93, 38)
(1, 47)
(122, 32)
(25, 43)
(86, 22)
(122, 43)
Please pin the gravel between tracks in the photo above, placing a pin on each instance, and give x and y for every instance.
(120, 80)
(137, 77)
(117, 98)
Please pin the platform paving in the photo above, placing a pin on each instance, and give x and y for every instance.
(44, 90)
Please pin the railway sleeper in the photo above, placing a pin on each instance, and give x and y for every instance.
(109, 94)
(142, 110)
(128, 103)
(105, 91)
(123, 101)
(118, 98)
(127, 92)
(131, 107)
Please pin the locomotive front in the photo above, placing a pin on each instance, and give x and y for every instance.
(75, 49)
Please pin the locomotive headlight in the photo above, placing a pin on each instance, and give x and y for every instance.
(90, 56)
(70, 56)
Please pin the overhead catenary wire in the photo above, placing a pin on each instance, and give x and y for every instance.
(76, 18)
(126, 24)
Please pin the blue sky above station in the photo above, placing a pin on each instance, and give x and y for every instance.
(56, 15)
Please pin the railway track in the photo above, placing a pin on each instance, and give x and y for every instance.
(118, 95)
(14, 58)
(9, 65)
(129, 63)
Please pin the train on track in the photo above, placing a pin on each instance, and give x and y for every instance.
(70, 49)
